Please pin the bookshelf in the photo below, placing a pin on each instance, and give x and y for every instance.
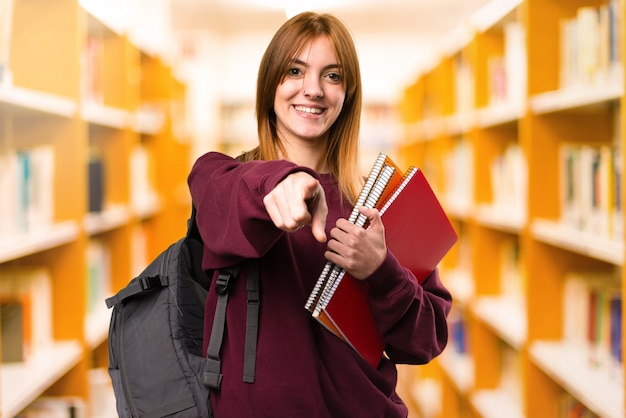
(94, 156)
(518, 127)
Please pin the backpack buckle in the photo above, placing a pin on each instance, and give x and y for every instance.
(222, 282)
(147, 283)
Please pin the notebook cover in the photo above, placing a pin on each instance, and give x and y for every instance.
(419, 234)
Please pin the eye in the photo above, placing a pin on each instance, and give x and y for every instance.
(334, 77)
(294, 72)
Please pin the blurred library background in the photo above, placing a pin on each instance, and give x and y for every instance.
(512, 108)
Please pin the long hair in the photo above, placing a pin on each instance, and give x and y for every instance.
(342, 150)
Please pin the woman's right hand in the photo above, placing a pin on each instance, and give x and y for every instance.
(296, 201)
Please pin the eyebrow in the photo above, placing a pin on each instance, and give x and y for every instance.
(328, 67)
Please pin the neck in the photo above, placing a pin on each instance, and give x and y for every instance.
(309, 155)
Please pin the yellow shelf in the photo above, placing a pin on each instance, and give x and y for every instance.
(491, 403)
(22, 245)
(83, 96)
(22, 383)
(566, 364)
(16, 99)
(577, 97)
(504, 100)
(505, 315)
(583, 243)
(105, 115)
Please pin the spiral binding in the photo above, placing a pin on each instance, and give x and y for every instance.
(337, 272)
(365, 191)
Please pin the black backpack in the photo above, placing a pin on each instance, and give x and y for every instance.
(156, 332)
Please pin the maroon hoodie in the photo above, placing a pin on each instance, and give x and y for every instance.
(302, 369)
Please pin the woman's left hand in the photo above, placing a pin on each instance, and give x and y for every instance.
(359, 251)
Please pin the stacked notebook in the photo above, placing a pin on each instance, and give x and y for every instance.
(418, 233)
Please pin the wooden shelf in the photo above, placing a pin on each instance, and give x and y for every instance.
(500, 219)
(53, 236)
(148, 121)
(491, 403)
(460, 370)
(23, 100)
(86, 97)
(568, 366)
(496, 123)
(114, 217)
(105, 116)
(576, 98)
(590, 245)
(21, 383)
(500, 114)
(505, 315)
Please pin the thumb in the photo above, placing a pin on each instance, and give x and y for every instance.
(373, 217)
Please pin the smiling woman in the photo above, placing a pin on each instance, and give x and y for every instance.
(305, 172)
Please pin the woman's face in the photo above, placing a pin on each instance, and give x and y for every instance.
(310, 98)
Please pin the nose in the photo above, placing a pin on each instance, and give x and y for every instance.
(311, 87)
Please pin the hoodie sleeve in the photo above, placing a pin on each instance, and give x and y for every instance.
(411, 317)
(228, 197)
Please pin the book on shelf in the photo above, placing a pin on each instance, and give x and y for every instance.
(512, 274)
(592, 317)
(98, 286)
(464, 94)
(26, 293)
(144, 196)
(457, 329)
(511, 372)
(497, 80)
(418, 233)
(570, 407)
(26, 189)
(93, 63)
(515, 62)
(14, 328)
(95, 168)
(509, 182)
(507, 73)
(459, 179)
(590, 45)
(591, 189)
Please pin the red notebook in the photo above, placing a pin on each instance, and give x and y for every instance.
(418, 233)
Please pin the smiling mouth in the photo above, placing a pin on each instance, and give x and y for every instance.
(309, 110)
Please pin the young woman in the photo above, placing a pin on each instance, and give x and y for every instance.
(286, 203)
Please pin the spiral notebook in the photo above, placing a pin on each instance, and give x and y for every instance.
(418, 234)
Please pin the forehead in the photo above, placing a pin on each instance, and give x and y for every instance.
(318, 49)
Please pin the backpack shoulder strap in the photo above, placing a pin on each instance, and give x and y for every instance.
(252, 321)
(143, 283)
(212, 375)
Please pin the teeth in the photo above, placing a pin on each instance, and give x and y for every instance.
(315, 111)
